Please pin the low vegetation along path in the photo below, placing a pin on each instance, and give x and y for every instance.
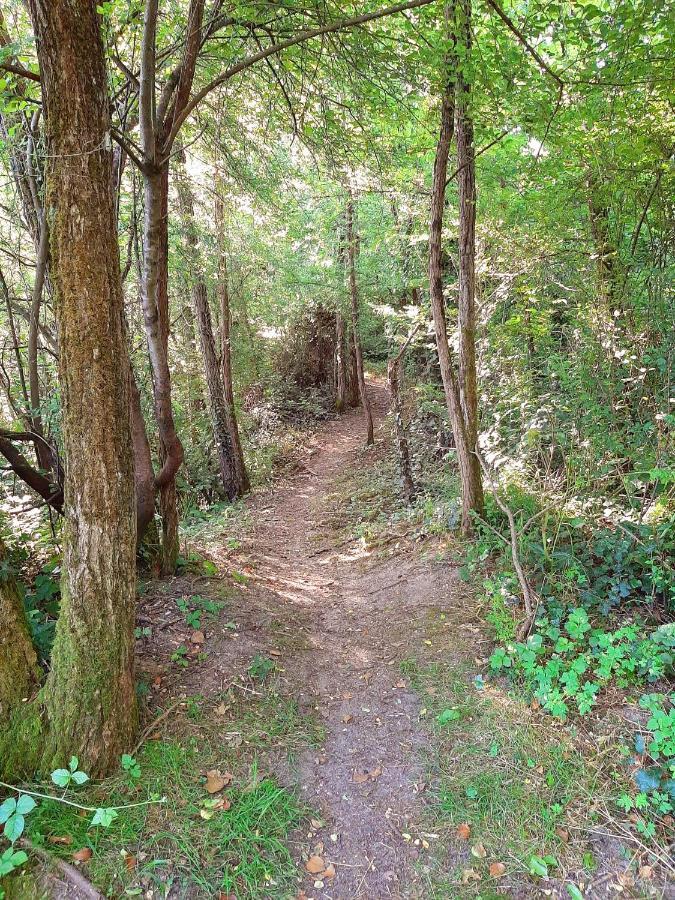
(347, 620)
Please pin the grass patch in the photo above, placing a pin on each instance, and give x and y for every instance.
(192, 845)
(520, 786)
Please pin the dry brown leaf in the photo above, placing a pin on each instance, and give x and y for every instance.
(469, 875)
(347, 719)
(375, 773)
(479, 851)
(274, 652)
(563, 834)
(646, 872)
(329, 872)
(497, 869)
(64, 839)
(131, 862)
(197, 637)
(360, 777)
(82, 855)
(216, 781)
(221, 709)
(464, 831)
(316, 823)
(400, 684)
(315, 864)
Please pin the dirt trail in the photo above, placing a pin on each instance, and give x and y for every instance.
(349, 619)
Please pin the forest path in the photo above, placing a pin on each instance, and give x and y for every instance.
(338, 621)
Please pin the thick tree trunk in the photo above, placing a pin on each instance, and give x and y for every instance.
(354, 298)
(340, 364)
(471, 487)
(466, 165)
(87, 706)
(19, 673)
(223, 291)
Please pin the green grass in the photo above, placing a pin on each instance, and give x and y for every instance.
(184, 844)
(515, 782)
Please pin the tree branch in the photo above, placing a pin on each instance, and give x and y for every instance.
(278, 48)
(513, 28)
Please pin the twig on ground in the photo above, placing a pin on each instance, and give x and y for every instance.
(151, 727)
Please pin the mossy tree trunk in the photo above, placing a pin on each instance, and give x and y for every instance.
(87, 706)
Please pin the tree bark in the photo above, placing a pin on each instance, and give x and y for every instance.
(223, 291)
(354, 298)
(466, 177)
(395, 376)
(471, 488)
(87, 707)
(340, 364)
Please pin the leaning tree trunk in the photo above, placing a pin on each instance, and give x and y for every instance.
(87, 707)
(466, 165)
(354, 297)
(223, 290)
(471, 486)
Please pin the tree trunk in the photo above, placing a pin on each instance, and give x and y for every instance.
(154, 299)
(354, 297)
(223, 290)
(340, 365)
(19, 672)
(466, 165)
(471, 488)
(87, 707)
(394, 375)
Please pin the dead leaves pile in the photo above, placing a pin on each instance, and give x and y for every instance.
(216, 781)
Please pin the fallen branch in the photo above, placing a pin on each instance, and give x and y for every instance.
(530, 599)
(71, 874)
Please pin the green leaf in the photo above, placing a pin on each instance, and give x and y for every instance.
(538, 867)
(7, 809)
(14, 827)
(74, 763)
(447, 716)
(25, 805)
(61, 777)
(104, 817)
(80, 777)
(574, 892)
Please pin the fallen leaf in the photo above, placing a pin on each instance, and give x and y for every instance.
(221, 709)
(131, 862)
(464, 831)
(497, 869)
(315, 864)
(479, 851)
(646, 872)
(329, 872)
(563, 834)
(400, 684)
(197, 637)
(274, 652)
(216, 781)
(64, 839)
(469, 875)
(347, 719)
(375, 773)
(347, 695)
(82, 855)
(316, 823)
(223, 896)
(360, 777)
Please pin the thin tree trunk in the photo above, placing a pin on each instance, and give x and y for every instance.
(87, 707)
(340, 364)
(471, 489)
(466, 164)
(223, 291)
(354, 297)
(395, 376)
